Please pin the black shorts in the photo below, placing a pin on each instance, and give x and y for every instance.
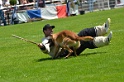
(86, 44)
(87, 32)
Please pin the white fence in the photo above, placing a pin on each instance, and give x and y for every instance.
(101, 4)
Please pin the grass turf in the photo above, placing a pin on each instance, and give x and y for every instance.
(24, 62)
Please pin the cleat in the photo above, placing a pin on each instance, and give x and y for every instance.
(109, 37)
(107, 24)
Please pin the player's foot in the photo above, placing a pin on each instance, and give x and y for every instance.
(109, 37)
(107, 24)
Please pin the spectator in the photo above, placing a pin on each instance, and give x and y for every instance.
(1, 4)
(90, 2)
(6, 2)
(2, 14)
(100, 4)
(23, 1)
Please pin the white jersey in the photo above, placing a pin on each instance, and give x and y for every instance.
(46, 44)
(1, 4)
(51, 50)
(7, 2)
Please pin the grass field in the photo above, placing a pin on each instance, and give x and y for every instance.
(24, 62)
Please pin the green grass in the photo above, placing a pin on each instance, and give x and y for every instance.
(24, 62)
